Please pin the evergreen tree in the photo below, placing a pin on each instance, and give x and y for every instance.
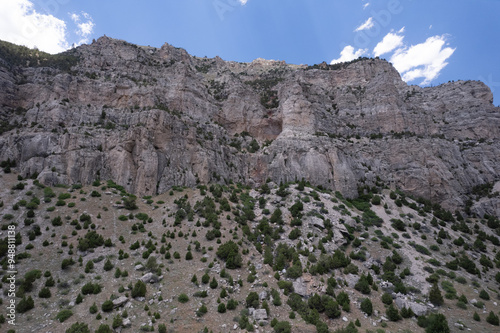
(493, 319)
(437, 323)
(78, 328)
(366, 306)
(435, 296)
(139, 289)
(392, 313)
(108, 265)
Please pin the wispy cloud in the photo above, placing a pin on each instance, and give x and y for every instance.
(85, 27)
(243, 2)
(348, 54)
(424, 60)
(366, 5)
(389, 43)
(366, 25)
(21, 24)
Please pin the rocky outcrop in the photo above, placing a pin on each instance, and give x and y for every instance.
(151, 118)
(120, 301)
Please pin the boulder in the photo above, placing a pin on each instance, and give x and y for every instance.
(126, 322)
(301, 286)
(417, 308)
(120, 301)
(260, 314)
(149, 278)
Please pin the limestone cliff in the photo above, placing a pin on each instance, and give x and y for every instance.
(150, 118)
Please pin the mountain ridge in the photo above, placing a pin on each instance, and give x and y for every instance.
(151, 118)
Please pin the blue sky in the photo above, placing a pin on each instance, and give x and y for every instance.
(429, 42)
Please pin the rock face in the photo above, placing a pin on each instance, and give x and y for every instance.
(302, 285)
(417, 308)
(150, 118)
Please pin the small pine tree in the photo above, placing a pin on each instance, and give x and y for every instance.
(392, 313)
(437, 323)
(78, 328)
(162, 328)
(476, 316)
(493, 319)
(139, 289)
(25, 304)
(387, 299)
(213, 283)
(93, 309)
(221, 308)
(484, 295)
(117, 321)
(107, 306)
(108, 265)
(367, 306)
(435, 296)
(44, 293)
(103, 328)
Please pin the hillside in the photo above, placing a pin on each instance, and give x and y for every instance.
(294, 253)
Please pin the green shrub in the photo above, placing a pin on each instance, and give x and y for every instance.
(108, 265)
(103, 328)
(79, 328)
(93, 309)
(435, 296)
(91, 288)
(366, 306)
(183, 298)
(63, 315)
(232, 304)
(392, 313)
(228, 252)
(221, 308)
(213, 283)
(201, 311)
(139, 289)
(493, 319)
(25, 304)
(283, 327)
(484, 295)
(387, 299)
(252, 300)
(107, 306)
(44, 293)
(437, 323)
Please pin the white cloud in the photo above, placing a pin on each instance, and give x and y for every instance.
(390, 42)
(84, 28)
(366, 5)
(243, 2)
(348, 54)
(22, 25)
(424, 60)
(366, 25)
